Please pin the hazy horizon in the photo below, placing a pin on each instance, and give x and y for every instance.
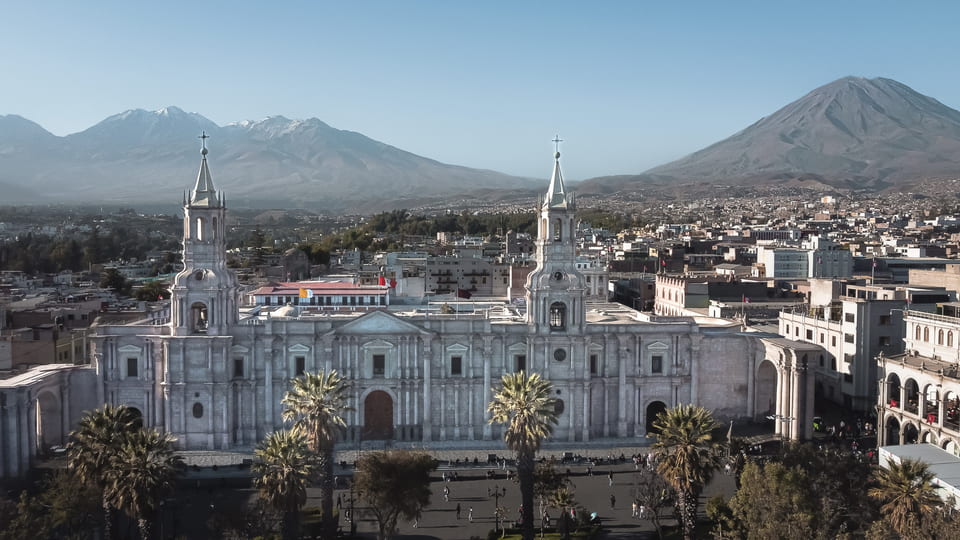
(628, 86)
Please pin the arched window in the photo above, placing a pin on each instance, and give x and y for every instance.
(926, 334)
(557, 230)
(950, 338)
(833, 364)
(558, 316)
(200, 229)
(916, 335)
(214, 231)
(821, 360)
(940, 337)
(198, 318)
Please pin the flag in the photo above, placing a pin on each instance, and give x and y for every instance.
(382, 281)
(463, 293)
(306, 293)
(393, 283)
(663, 262)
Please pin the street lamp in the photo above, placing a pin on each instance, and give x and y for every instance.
(497, 493)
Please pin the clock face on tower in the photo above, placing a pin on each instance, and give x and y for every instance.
(558, 275)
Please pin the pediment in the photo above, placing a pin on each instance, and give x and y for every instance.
(658, 346)
(457, 348)
(239, 349)
(596, 347)
(298, 348)
(377, 344)
(518, 347)
(379, 322)
(127, 349)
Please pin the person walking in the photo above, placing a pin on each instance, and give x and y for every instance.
(633, 512)
(446, 493)
(613, 501)
(458, 511)
(610, 478)
(470, 514)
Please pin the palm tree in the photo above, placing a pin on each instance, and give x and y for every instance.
(908, 496)
(282, 474)
(142, 471)
(93, 445)
(689, 457)
(524, 404)
(315, 405)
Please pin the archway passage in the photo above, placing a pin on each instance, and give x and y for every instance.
(378, 416)
(49, 421)
(653, 411)
(892, 434)
(766, 397)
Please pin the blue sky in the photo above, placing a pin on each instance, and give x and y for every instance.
(627, 85)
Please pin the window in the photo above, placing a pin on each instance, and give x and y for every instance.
(379, 365)
(198, 410)
(833, 341)
(558, 316)
(810, 335)
(833, 364)
(848, 358)
(848, 338)
(884, 341)
(594, 360)
(238, 368)
(132, 364)
(926, 333)
(822, 337)
(560, 355)
(916, 335)
(456, 365)
(821, 360)
(558, 407)
(848, 377)
(787, 329)
(301, 365)
(656, 364)
(940, 337)
(520, 362)
(884, 320)
(848, 317)
(950, 338)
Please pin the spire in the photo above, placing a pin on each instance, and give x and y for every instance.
(204, 194)
(556, 193)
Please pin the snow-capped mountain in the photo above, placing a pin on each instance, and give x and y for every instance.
(142, 155)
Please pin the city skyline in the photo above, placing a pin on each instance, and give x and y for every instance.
(627, 86)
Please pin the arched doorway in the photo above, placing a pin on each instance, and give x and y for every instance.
(49, 421)
(910, 434)
(653, 411)
(766, 400)
(137, 417)
(378, 416)
(892, 431)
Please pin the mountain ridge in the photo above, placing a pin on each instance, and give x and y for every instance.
(139, 154)
(854, 133)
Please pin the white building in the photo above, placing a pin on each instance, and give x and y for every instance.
(215, 379)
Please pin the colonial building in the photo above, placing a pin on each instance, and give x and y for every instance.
(215, 373)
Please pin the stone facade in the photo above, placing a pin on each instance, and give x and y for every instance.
(215, 379)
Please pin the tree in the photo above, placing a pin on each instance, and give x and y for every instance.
(93, 448)
(315, 405)
(113, 279)
(546, 482)
(654, 494)
(395, 484)
(282, 472)
(153, 291)
(141, 473)
(907, 494)
(524, 405)
(689, 457)
(563, 500)
(776, 501)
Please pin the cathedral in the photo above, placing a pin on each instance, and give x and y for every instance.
(214, 374)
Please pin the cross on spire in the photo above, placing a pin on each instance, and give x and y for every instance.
(556, 143)
(203, 142)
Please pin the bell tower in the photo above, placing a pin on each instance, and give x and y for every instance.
(556, 290)
(204, 293)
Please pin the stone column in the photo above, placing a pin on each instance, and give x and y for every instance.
(622, 391)
(487, 392)
(427, 412)
(585, 427)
